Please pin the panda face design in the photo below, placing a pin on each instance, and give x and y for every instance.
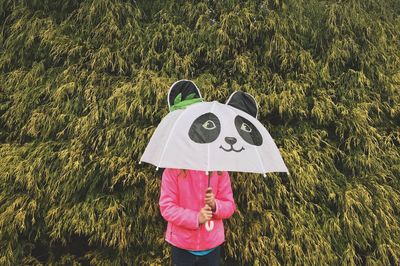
(207, 128)
(212, 136)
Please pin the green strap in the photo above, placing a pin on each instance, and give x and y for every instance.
(183, 104)
(179, 104)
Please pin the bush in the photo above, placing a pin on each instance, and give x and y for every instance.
(83, 85)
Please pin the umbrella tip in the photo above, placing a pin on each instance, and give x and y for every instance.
(156, 168)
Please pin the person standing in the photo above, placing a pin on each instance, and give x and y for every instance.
(187, 203)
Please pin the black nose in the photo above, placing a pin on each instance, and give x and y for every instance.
(230, 140)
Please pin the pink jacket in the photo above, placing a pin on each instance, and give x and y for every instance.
(181, 200)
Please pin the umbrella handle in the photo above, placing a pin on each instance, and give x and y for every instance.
(209, 225)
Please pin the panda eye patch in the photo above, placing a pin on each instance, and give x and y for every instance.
(209, 124)
(245, 127)
(205, 128)
(248, 131)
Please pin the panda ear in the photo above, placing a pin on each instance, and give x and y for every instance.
(182, 93)
(243, 101)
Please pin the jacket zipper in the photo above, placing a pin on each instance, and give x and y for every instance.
(198, 237)
(201, 202)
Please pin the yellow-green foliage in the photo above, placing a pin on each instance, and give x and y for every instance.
(83, 85)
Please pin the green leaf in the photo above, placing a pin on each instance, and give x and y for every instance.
(178, 98)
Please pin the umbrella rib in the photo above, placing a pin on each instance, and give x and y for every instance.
(169, 136)
(259, 159)
(208, 145)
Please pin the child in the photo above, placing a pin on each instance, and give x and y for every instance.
(187, 204)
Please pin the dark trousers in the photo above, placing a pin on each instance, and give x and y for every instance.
(181, 257)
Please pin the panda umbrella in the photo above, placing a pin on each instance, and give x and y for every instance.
(212, 136)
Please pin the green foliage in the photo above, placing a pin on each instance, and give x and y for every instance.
(83, 85)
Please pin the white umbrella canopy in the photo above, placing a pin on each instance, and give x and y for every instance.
(212, 136)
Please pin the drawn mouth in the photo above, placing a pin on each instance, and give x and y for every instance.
(231, 149)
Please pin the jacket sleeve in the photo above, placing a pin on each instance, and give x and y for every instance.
(224, 202)
(169, 202)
